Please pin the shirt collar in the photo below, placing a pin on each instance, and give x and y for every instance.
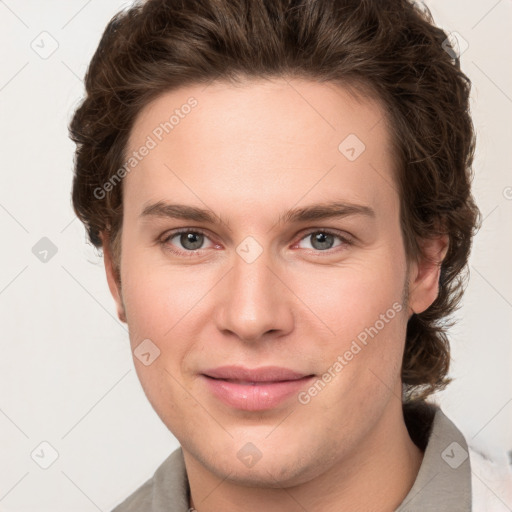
(443, 482)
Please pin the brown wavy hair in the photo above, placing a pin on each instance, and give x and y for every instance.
(390, 49)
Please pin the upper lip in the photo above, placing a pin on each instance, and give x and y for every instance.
(262, 374)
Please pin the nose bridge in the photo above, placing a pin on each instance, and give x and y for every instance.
(255, 299)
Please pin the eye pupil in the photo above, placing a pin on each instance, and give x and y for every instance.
(322, 240)
(196, 239)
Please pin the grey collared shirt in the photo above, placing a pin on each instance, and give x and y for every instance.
(443, 483)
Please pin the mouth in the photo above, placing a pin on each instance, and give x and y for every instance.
(248, 383)
(254, 390)
(257, 375)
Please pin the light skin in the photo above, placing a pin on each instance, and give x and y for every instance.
(249, 153)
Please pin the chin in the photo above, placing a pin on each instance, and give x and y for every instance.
(276, 471)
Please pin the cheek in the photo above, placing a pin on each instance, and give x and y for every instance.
(163, 304)
(351, 297)
(146, 306)
(157, 296)
(360, 308)
(156, 302)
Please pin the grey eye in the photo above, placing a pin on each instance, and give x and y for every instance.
(322, 240)
(191, 240)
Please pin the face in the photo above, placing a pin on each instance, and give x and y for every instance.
(300, 264)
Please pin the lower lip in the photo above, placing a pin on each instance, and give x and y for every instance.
(254, 397)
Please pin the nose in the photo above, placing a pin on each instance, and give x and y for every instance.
(255, 301)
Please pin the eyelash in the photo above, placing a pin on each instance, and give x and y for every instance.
(168, 236)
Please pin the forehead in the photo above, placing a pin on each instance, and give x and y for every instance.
(261, 142)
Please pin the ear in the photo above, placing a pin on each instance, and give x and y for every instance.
(425, 272)
(113, 283)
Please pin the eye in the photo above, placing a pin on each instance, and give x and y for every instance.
(191, 240)
(323, 240)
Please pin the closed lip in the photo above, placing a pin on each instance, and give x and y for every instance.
(262, 374)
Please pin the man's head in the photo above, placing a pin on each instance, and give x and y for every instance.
(256, 111)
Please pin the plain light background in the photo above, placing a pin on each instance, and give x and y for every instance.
(66, 372)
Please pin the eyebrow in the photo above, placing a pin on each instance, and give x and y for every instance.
(330, 210)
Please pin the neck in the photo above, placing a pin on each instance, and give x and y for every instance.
(377, 475)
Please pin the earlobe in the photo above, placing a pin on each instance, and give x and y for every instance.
(113, 284)
(425, 273)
